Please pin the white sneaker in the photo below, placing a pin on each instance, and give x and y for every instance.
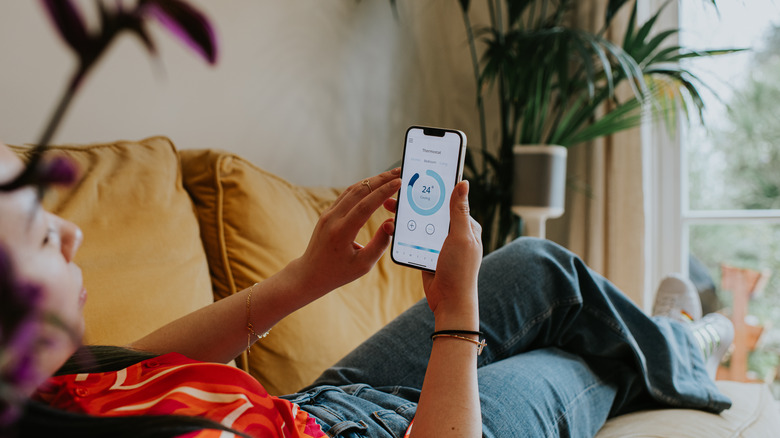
(677, 298)
(714, 333)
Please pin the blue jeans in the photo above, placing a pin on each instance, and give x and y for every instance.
(566, 350)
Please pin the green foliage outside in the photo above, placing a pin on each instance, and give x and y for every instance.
(736, 165)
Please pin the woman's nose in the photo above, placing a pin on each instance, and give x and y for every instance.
(71, 238)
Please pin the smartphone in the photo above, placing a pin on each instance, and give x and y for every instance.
(431, 166)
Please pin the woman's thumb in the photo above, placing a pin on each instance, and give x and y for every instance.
(459, 204)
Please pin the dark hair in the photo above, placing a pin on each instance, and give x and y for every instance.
(41, 420)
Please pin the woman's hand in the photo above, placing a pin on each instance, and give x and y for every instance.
(449, 401)
(333, 258)
(452, 290)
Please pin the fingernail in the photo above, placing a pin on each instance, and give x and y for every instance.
(396, 183)
(396, 171)
(464, 188)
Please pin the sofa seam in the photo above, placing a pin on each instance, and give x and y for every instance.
(756, 415)
(98, 145)
(225, 258)
(301, 190)
(220, 216)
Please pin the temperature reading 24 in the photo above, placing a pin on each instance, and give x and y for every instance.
(426, 189)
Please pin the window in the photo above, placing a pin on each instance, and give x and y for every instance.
(716, 187)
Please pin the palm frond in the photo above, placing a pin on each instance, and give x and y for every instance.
(612, 9)
(625, 116)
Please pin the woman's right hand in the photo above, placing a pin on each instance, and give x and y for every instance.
(452, 289)
(333, 258)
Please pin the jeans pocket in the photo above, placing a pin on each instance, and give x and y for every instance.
(392, 422)
(348, 429)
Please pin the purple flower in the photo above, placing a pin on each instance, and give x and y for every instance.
(20, 323)
(41, 174)
(58, 171)
(19, 300)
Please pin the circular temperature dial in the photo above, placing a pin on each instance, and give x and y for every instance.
(426, 193)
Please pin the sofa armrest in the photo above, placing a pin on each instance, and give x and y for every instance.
(754, 414)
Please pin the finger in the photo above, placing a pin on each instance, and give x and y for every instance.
(460, 218)
(363, 210)
(391, 205)
(375, 247)
(358, 191)
(369, 185)
(388, 226)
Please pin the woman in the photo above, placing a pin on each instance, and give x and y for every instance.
(564, 350)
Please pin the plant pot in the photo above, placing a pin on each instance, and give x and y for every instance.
(539, 186)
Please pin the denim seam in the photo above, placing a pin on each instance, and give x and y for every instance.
(338, 428)
(565, 413)
(605, 318)
(506, 346)
(354, 389)
(330, 411)
(379, 419)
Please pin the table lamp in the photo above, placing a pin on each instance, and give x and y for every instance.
(539, 185)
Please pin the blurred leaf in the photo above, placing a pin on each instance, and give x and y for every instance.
(625, 116)
(137, 26)
(515, 9)
(646, 49)
(612, 9)
(68, 21)
(186, 23)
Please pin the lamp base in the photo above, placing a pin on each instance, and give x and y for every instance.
(535, 219)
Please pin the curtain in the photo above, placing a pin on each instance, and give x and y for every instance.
(604, 218)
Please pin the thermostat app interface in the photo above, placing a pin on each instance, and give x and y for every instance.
(432, 164)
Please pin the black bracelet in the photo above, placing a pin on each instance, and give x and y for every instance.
(457, 332)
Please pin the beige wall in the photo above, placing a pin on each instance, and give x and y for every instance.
(317, 91)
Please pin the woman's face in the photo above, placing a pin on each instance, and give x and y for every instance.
(42, 247)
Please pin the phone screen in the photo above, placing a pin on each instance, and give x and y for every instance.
(432, 165)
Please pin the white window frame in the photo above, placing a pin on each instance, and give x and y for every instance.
(667, 217)
(662, 175)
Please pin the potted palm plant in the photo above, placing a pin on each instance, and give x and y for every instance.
(555, 85)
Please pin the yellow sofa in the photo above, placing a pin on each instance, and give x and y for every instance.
(168, 231)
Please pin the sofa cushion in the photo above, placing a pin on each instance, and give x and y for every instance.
(252, 224)
(142, 257)
(754, 414)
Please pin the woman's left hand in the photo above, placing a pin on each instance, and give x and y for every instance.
(333, 257)
(452, 290)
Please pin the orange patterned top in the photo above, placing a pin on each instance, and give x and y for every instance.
(173, 384)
